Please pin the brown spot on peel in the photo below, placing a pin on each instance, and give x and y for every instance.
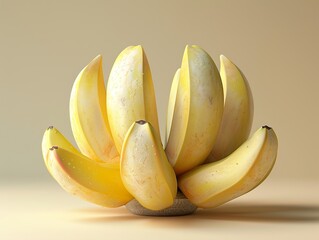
(141, 122)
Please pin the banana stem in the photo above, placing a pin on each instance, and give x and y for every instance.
(181, 206)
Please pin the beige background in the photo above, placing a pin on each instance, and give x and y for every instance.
(44, 45)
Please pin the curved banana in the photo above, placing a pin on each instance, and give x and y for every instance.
(52, 137)
(215, 183)
(197, 113)
(171, 103)
(238, 111)
(130, 93)
(88, 114)
(96, 181)
(145, 170)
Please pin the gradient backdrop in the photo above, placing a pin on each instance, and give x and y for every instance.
(45, 44)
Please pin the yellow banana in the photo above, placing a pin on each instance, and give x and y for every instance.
(121, 157)
(171, 103)
(197, 113)
(96, 181)
(130, 93)
(145, 170)
(238, 111)
(52, 137)
(88, 114)
(218, 182)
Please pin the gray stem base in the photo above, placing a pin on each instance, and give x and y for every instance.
(181, 206)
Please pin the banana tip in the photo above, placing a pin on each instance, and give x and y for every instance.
(97, 59)
(141, 122)
(138, 47)
(222, 57)
(53, 148)
(267, 127)
(191, 46)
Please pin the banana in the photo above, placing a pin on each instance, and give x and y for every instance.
(238, 111)
(197, 113)
(171, 103)
(215, 183)
(121, 157)
(52, 137)
(88, 114)
(130, 93)
(98, 182)
(145, 170)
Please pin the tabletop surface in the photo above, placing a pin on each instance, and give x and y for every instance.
(276, 210)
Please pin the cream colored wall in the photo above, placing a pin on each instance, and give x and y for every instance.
(44, 44)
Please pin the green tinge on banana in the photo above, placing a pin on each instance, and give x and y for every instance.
(88, 114)
(215, 183)
(197, 112)
(171, 103)
(238, 111)
(95, 181)
(145, 170)
(130, 93)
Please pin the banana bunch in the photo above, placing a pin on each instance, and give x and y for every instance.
(207, 155)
